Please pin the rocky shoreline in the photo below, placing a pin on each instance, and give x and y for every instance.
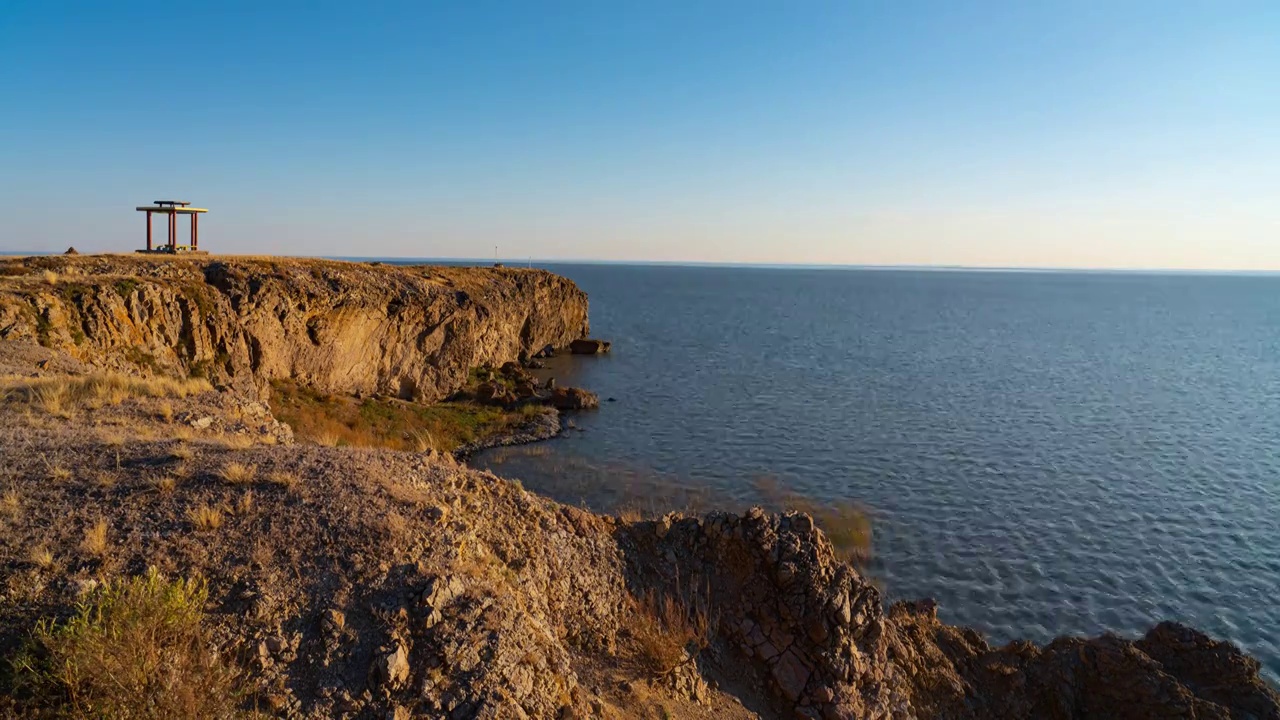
(372, 583)
(544, 426)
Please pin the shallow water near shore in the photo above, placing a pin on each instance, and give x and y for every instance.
(1043, 453)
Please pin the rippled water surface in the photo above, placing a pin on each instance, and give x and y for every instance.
(1044, 453)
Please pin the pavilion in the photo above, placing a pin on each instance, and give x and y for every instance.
(173, 208)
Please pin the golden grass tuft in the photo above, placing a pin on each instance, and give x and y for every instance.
(327, 438)
(205, 516)
(10, 502)
(182, 451)
(57, 471)
(50, 277)
(95, 540)
(40, 556)
(238, 473)
(234, 442)
(139, 650)
(421, 440)
(630, 514)
(111, 437)
(669, 630)
(165, 411)
(244, 506)
(166, 484)
(282, 478)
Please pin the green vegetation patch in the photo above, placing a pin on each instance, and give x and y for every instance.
(142, 358)
(125, 287)
(389, 423)
(136, 649)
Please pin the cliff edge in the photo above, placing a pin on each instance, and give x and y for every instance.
(411, 332)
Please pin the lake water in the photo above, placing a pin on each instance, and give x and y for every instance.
(1043, 453)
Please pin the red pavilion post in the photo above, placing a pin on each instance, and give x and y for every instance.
(148, 231)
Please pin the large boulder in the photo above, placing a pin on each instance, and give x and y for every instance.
(589, 346)
(571, 398)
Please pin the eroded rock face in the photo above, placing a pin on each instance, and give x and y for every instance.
(410, 332)
(812, 625)
(816, 631)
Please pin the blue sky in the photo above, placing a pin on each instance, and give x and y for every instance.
(1081, 134)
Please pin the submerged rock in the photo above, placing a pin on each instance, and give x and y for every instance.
(588, 346)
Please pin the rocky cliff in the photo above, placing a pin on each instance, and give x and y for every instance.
(410, 332)
(362, 583)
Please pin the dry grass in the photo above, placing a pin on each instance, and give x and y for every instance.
(105, 479)
(95, 542)
(234, 442)
(630, 514)
(282, 478)
(138, 651)
(166, 484)
(244, 506)
(845, 523)
(40, 556)
(327, 437)
(10, 502)
(669, 630)
(57, 395)
(111, 437)
(182, 452)
(238, 473)
(165, 411)
(206, 517)
(50, 277)
(56, 470)
(421, 440)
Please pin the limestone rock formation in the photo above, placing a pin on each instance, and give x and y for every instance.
(816, 631)
(410, 332)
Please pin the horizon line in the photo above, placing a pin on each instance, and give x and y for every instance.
(517, 262)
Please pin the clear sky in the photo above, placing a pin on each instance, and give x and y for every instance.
(1080, 134)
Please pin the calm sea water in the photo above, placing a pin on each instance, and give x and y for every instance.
(1044, 453)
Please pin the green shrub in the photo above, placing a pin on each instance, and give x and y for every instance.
(137, 649)
(124, 287)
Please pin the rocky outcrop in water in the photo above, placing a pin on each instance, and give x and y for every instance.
(410, 332)
(816, 633)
